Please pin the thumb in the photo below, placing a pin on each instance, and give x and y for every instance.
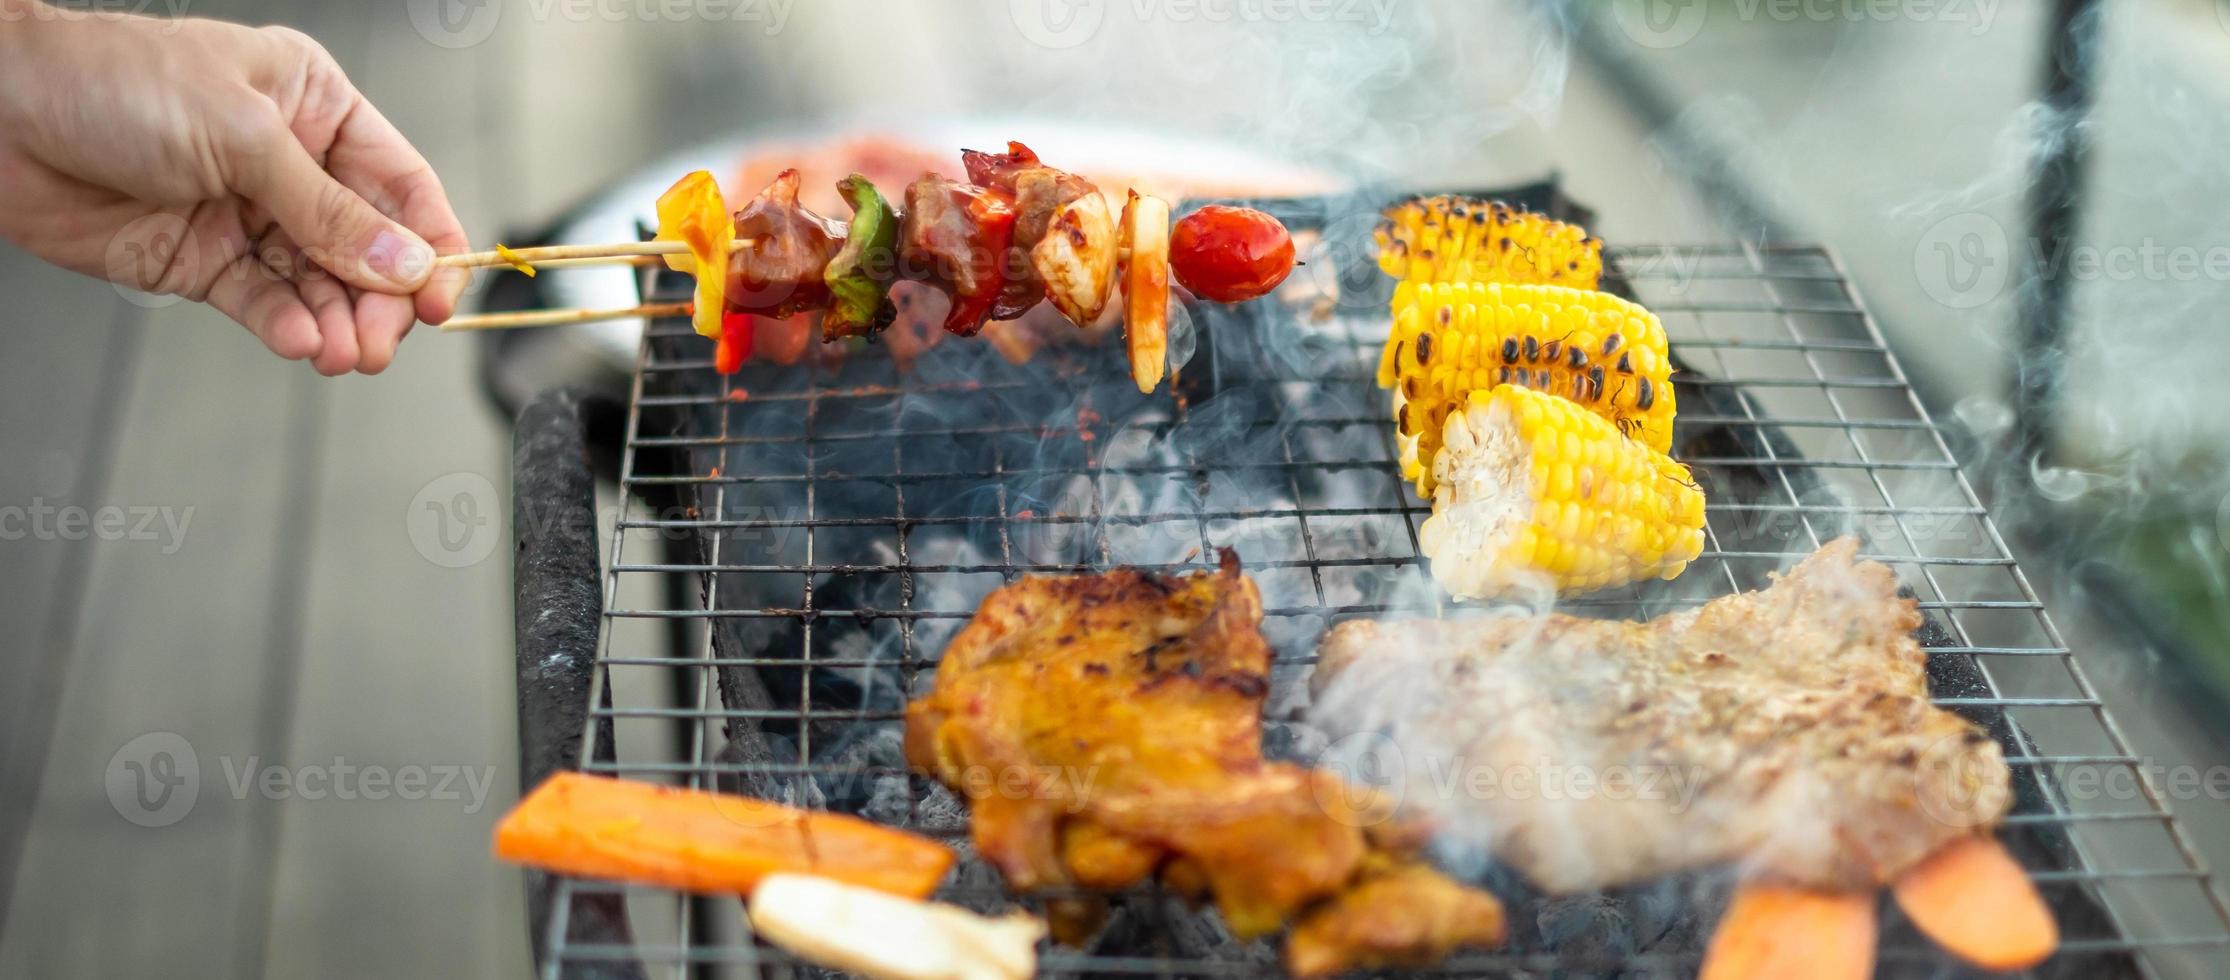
(336, 227)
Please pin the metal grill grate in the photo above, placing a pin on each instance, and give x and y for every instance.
(840, 522)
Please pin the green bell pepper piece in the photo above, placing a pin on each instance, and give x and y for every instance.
(860, 277)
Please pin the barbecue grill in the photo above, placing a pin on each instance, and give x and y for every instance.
(817, 533)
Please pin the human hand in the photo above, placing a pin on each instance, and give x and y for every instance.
(225, 164)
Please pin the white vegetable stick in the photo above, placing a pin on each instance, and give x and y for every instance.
(847, 927)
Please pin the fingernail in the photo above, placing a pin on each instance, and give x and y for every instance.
(399, 260)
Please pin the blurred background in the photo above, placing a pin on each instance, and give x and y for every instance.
(276, 612)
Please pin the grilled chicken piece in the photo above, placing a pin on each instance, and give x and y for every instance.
(1787, 729)
(1075, 258)
(1401, 914)
(1106, 726)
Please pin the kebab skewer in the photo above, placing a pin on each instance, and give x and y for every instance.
(1013, 234)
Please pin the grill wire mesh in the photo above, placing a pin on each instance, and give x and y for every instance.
(818, 532)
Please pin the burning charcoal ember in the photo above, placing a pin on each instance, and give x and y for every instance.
(1592, 927)
(1293, 742)
(769, 773)
(936, 807)
(889, 800)
(1198, 933)
(852, 769)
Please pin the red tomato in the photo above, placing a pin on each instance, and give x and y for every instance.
(1230, 255)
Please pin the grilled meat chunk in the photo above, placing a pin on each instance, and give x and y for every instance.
(1108, 726)
(1063, 247)
(1787, 729)
(955, 236)
(780, 273)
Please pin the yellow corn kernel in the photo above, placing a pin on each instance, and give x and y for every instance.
(1462, 239)
(1593, 348)
(1529, 484)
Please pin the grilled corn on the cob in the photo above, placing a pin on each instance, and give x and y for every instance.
(1530, 486)
(1451, 339)
(1464, 239)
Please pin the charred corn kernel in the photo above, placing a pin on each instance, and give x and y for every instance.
(1530, 486)
(1465, 239)
(1451, 339)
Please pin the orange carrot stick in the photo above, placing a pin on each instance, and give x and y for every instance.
(1972, 899)
(706, 842)
(1776, 931)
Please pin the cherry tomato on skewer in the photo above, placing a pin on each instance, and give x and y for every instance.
(1230, 255)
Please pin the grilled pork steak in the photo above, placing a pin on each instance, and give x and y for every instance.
(1787, 729)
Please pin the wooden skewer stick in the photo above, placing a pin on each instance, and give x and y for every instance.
(546, 253)
(599, 260)
(552, 318)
